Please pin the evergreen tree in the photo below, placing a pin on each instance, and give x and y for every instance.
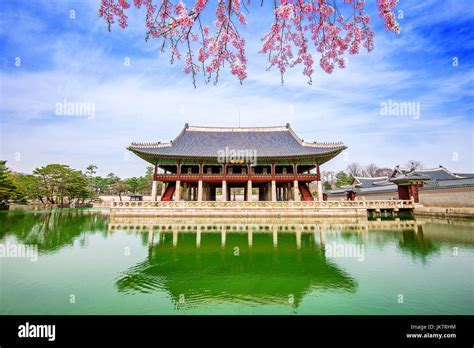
(8, 189)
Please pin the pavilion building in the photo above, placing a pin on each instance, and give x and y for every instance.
(203, 163)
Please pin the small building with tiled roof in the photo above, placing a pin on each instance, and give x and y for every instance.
(202, 160)
(433, 184)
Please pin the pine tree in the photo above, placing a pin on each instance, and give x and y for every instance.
(8, 189)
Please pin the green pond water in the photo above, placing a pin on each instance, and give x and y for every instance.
(88, 262)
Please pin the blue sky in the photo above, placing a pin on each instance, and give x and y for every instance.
(78, 60)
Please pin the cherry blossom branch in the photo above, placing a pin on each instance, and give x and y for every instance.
(301, 30)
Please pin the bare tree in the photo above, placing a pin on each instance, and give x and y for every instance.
(355, 169)
(329, 177)
(371, 170)
(413, 164)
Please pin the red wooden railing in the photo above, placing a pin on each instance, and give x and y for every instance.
(253, 177)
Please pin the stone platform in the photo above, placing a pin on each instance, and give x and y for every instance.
(259, 209)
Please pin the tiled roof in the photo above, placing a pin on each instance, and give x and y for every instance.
(365, 182)
(410, 176)
(439, 173)
(340, 190)
(432, 178)
(380, 189)
(208, 141)
(367, 185)
(465, 175)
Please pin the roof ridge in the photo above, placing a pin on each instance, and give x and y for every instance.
(150, 144)
(446, 170)
(235, 129)
(323, 144)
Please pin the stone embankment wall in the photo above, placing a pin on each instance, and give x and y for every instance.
(237, 212)
(448, 197)
(430, 197)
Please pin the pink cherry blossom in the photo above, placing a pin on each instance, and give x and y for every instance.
(302, 32)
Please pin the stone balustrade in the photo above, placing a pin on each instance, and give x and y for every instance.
(367, 205)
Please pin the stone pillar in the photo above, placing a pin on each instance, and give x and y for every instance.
(320, 191)
(177, 193)
(274, 198)
(224, 191)
(319, 184)
(296, 191)
(288, 190)
(153, 190)
(185, 192)
(199, 191)
(189, 193)
(249, 190)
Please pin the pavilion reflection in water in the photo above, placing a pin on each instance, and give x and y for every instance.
(194, 260)
(231, 267)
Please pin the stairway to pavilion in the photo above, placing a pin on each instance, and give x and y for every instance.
(305, 192)
(168, 194)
